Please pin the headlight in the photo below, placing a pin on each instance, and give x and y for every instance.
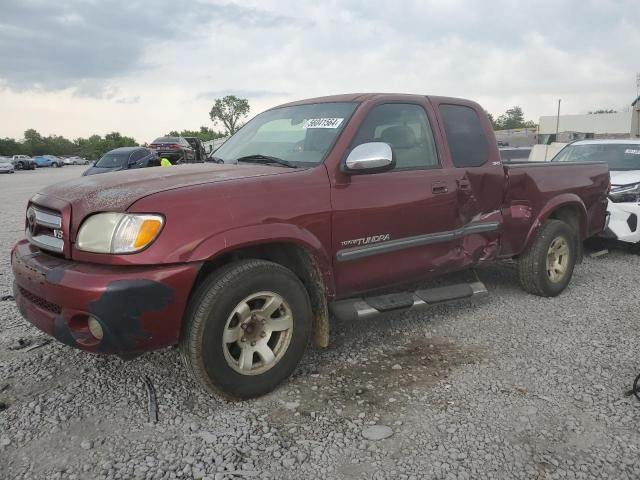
(625, 193)
(118, 232)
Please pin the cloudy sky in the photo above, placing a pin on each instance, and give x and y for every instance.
(77, 67)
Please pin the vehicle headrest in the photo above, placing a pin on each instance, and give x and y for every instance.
(399, 136)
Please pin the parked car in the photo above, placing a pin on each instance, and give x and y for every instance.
(175, 149)
(74, 161)
(124, 158)
(48, 161)
(198, 147)
(623, 158)
(23, 162)
(321, 205)
(6, 165)
(509, 154)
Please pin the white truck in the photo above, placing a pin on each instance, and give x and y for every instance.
(23, 162)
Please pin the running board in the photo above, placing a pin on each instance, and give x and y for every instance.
(367, 307)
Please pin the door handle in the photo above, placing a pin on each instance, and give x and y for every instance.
(464, 184)
(439, 188)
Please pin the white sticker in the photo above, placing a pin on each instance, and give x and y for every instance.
(323, 123)
(632, 151)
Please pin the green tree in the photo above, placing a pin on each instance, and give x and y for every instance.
(513, 118)
(229, 111)
(491, 119)
(9, 147)
(204, 134)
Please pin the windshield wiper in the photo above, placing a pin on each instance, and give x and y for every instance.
(266, 159)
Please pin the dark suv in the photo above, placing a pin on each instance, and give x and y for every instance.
(175, 149)
(124, 158)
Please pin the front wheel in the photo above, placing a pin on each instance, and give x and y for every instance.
(246, 328)
(546, 267)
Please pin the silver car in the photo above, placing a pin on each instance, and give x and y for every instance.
(5, 165)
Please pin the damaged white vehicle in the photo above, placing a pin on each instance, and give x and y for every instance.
(623, 157)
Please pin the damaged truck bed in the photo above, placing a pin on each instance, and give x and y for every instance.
(316, 206)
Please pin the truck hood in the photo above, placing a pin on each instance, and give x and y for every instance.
(624, 177)
(118, 190)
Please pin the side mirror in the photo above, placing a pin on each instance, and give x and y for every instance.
(372, 157)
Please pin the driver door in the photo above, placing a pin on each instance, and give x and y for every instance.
(394, 226)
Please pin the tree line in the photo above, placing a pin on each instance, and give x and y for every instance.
(91, 148)
(228, 111)
(512, 119)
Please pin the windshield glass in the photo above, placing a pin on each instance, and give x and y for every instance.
(166, 140)
(113, 160)
(619, 156)
(301, 135)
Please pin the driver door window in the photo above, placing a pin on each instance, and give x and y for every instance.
(406, 128)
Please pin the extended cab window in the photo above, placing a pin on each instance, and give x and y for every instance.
(406, 128)
(465, 136)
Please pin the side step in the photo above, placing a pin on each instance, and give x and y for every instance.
(367, 307)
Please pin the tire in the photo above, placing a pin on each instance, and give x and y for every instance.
(20, 166)
(539, 272)
(216, 309)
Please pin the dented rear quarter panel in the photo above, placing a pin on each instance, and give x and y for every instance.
(536, 190)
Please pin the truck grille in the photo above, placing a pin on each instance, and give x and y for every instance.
(40, 302)
(44, 229)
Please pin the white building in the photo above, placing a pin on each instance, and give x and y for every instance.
(596, 125)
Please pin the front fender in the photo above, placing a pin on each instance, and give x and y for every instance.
(226, 242)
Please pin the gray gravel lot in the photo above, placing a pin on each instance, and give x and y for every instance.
(513, 386)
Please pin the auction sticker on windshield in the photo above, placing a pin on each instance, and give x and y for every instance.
(632, 151)
(323, 123)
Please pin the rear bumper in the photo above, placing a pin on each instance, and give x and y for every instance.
(139, 308)
(171, 155)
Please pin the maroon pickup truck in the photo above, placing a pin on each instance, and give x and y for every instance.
(320, 206)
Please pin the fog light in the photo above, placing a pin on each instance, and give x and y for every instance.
(95, 328)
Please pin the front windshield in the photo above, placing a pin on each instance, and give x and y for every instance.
(113, 160)
(619, 156)
(302, 135)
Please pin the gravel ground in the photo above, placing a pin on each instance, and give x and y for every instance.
(513, 386)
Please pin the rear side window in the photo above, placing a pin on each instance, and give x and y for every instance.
(138, 155)
(465, 136)
(406, 128)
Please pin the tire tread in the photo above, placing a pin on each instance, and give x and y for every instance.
(196, 316)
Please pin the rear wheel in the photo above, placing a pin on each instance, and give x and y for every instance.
(246, 329)
(20, 166)
(546, 268)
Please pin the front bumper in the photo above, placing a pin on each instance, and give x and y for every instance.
(624, 222)
(139, 308)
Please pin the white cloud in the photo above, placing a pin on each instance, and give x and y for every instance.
(145, 84)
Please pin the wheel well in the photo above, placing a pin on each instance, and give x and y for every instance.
(295, 258)
(572, 216)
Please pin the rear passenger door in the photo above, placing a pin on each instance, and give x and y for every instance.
(394, 226)
(135, 158)
(479, 178)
